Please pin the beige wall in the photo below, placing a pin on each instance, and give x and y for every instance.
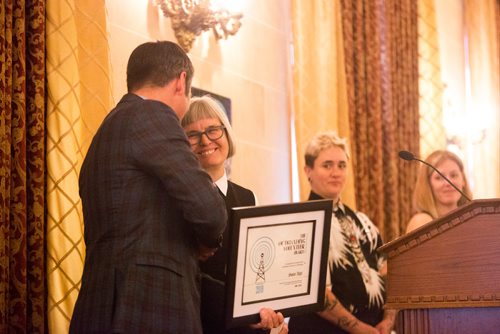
(470, 108)
(450, 27)
(252, 68)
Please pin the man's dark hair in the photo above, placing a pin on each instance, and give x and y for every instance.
(156, 64)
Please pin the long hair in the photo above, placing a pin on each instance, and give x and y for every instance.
(423, 197)
(207, 107)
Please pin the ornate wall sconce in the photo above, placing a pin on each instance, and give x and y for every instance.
(192, 17)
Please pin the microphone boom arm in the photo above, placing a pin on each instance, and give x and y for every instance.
(444, 177)
(409, 156)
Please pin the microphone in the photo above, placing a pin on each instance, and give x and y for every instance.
(405, 155)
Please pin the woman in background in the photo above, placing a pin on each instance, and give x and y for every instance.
(433, 196)
(210, 134)
(355, 293)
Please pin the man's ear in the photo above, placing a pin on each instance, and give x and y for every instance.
(180, 86)
(307, 170)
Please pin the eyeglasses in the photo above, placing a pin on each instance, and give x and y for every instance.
(213, 133)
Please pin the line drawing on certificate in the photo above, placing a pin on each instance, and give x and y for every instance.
(261, 259)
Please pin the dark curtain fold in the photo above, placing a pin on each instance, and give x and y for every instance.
(22, 167)
(380, 41)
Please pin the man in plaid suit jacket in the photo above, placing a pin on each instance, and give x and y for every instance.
(150, 211)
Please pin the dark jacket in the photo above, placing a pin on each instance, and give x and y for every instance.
(147, 204)
(214, 272)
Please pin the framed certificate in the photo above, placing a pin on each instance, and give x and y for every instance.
(277, 259)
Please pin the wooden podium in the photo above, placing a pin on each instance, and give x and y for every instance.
(445, 276)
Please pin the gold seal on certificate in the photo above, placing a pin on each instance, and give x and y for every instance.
(278, 257)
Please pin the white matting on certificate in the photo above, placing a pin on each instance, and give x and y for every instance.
(278, 258)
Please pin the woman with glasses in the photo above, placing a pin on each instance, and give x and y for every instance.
(210, 134)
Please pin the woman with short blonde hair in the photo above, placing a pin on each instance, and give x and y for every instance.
(355, 292)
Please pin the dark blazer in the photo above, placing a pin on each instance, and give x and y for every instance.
(214, 272)
(147, 205)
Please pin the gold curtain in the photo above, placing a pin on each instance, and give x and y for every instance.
(22, 167)
(79, 96)
(481, 25)
(430, 82)
(380, 39)
(319, 87)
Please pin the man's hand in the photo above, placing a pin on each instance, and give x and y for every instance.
(204, 252)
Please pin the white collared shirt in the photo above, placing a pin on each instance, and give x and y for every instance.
(222, 185)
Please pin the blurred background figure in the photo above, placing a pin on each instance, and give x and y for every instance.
(433, 196)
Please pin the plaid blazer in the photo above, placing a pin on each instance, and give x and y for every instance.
(147, 205)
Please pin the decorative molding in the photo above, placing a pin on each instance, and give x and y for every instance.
(443, 301)
(425, 233)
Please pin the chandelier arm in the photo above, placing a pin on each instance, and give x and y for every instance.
(190, 18)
